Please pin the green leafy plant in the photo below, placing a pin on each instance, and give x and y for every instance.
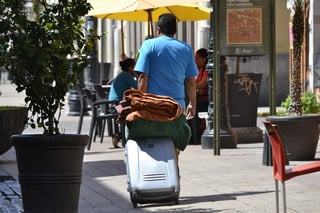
(308, 101)
(40, 48)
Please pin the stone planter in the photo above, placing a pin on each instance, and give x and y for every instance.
(299, 135)
(12, 121)
(50, 171)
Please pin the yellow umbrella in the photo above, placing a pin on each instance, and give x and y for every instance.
(148, 10)
(122, 6)
(183, 12)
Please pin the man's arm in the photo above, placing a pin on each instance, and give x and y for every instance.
(143, 82)
(191, 92)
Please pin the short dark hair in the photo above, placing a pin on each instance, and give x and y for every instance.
(167, 24)
(128, 62)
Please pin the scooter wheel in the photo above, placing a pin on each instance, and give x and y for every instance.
(133, 200)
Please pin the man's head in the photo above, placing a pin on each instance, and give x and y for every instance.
(167, 24)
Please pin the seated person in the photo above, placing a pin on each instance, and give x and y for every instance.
(123, 81)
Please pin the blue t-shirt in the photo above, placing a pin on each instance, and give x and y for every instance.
(121, 83)
(167, 61)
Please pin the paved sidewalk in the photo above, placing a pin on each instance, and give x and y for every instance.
(235, 181)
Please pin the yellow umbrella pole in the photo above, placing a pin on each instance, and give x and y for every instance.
(122, 42)
(150, 26)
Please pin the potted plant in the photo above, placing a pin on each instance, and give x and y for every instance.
(298, 131)
(39, 46)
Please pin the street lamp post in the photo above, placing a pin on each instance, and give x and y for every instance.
(89, 77)
(92, 75)
(216, 135)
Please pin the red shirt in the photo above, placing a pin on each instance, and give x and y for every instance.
(203, 93)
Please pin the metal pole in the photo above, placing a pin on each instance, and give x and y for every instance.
(216, 69)
(272, 61)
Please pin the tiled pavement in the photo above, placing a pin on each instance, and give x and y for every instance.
(10, 200)
(235, 181)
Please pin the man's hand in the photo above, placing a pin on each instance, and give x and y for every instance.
(190, 112)
(191, 92)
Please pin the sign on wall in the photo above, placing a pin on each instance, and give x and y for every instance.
(244, 27)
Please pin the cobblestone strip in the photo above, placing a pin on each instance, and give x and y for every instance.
(10, 200)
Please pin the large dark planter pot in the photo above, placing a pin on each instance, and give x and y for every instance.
(299, 135)
(12, 121)
(50, 171)
(243, 96)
